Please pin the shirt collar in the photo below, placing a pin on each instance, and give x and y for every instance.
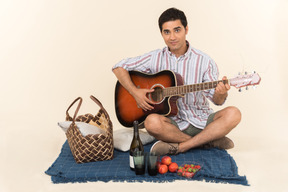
(185, 54)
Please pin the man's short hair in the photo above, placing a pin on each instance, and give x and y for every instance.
(172, 14)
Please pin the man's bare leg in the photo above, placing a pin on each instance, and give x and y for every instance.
(162, 129)
(224, 121)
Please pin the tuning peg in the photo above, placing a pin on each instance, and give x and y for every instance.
(246, 72)
(247, 88)
(240, 90)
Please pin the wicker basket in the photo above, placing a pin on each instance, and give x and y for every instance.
(98, 147)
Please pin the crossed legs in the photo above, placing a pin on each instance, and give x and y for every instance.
(162, 129)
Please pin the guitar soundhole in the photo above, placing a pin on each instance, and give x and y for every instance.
(157, 94)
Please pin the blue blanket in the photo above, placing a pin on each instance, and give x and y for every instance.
(217, 166)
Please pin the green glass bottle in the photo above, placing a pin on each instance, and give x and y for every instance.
(136, 144)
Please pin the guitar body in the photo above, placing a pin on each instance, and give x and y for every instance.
(125, 105)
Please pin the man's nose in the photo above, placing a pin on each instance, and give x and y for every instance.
(172, 36)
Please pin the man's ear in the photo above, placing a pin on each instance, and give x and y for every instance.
(186, 29)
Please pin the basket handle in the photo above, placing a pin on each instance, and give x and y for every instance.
(76, 111)
(100, 105)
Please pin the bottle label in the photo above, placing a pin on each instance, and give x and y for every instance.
(131, 162)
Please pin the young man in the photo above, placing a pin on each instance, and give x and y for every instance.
(195, 125)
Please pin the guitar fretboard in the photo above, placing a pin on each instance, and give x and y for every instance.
(180, 90)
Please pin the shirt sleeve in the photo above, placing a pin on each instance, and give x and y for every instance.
(211, 74)
(140, 63)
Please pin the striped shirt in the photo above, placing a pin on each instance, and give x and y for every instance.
(194, 67)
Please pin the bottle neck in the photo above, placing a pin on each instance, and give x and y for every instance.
(136, 130)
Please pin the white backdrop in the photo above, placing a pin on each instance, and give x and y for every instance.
(54, 51)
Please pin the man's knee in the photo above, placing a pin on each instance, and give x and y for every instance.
(233, 114)
(153, 123)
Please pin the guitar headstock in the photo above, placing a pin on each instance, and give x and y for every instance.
(245, 80)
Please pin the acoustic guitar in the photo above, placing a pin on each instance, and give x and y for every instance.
(168, 87)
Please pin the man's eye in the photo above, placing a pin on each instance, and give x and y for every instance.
(177, 30)
(166, 32)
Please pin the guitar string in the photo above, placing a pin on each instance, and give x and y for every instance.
(183, 89)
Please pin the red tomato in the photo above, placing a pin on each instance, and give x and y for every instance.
(163, 169)
(173, 167)
(166, 160)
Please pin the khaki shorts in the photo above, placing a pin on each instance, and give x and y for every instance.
(192, 130)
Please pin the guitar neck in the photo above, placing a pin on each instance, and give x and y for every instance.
(180, 90)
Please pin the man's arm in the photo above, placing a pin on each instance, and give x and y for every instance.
(221, 92)
(124, 78)
(138, 94)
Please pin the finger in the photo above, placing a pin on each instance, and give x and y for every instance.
(220, 86)
(218, 90)
(149, 101)
(143, 108)
(227, 86)
(223, 86)
(148, 106)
